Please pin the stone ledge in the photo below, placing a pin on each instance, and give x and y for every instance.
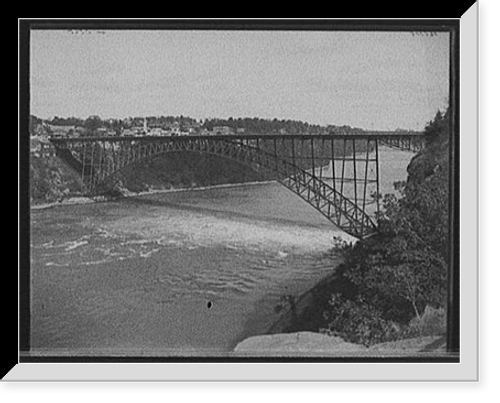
(317, 344)
(300, 342)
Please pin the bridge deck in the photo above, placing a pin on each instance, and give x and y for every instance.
(380, 135)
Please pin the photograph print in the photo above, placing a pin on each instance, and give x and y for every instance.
(258, 191)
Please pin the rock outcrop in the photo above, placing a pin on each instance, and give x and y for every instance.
(300, 343)
(316, 344)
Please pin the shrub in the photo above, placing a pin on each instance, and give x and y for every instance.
(431, 322)
(357, 321)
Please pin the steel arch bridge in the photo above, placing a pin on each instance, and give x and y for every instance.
(337, 174)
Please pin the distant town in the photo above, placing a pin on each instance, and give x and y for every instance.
(41, 129)
(175, 126)
(139, 126)
(170, 126)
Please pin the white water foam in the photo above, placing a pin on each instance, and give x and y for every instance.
(191, 229)
(75, 244)
(56, 264)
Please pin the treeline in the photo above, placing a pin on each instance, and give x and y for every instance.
(247, 124)
(259, 125)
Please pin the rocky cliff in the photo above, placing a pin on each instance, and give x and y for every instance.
(53, 180)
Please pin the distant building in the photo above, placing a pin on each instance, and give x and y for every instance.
(174, 130)
(137, 130)
(128, 132)
(55, 130)
(222, 130)
(184, 131)
(158, 131)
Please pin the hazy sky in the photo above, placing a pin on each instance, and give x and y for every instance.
(373, 80)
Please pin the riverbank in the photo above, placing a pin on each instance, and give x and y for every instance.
(299, 312)
(295, 333)
(126, 193)
(52, 181)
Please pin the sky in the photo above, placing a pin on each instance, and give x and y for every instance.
(371, 80)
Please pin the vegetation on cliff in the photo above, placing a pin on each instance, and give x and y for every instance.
(393, 285)
(182, 171)
(52, 180)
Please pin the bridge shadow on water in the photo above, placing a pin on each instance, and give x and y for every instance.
(164, 200)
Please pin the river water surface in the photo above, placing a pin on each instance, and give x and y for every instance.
(191, 272)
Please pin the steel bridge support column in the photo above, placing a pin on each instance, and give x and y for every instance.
(377, 197)
(355, 176)
(84, 161)
(367, 160)
(333, 169)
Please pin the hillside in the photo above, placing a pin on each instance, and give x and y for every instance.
(180, 171)
(52, 180)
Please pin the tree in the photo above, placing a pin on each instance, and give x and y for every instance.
(92, 123)
(33, 123)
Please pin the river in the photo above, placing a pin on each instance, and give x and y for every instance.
(187, 272)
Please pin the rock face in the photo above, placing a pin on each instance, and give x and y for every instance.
(316, 344)
(51, 179)
(179, 170)
(300, 343)
(435, 156)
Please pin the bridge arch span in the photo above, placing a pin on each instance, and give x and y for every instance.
(110, 180)
(100, 161)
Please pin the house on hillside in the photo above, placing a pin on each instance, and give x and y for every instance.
(128, 132)
(174, 130)
(222, 130)
(137, 130)
(56, 130)
(158, 131)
